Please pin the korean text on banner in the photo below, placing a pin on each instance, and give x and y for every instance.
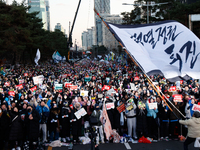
(177, 98)
(153, 105)
(38, 79)
(196, 107)
(58, 86)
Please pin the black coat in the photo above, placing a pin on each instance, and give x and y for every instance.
(16, 129)
(4, 126)
(32, 126)
(141, 120)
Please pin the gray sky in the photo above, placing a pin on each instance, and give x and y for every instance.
(63, 11)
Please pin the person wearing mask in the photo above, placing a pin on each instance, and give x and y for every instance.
(32, 126)
(16, 129)
(130, 113)
(54, 127)
(43, 111)
(98, 127)
(76, 123)
(4, 126)
(151, 120)
(193, 125)
(65, 121)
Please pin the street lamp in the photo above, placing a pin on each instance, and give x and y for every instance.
(147, 7)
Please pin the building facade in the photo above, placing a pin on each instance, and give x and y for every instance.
(109, 40)
(39, 6)
(58, 26)
(102, 7)
(48, 14)
(88, 38)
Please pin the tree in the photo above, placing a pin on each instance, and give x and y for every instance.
(22, 34)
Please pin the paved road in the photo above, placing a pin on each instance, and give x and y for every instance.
(162, 145)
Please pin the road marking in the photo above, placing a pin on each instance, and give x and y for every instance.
(127, 146)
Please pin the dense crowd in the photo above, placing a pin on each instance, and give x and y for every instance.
(31, 110)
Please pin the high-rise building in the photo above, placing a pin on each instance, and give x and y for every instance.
(88, 38)
(102, 7)
(39, 6)
(48, 14)
(109, 40)
(59, 27)
(84, 40)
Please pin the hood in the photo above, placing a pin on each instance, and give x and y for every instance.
(196, 120)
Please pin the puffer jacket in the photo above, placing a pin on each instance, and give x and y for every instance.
(193, 125)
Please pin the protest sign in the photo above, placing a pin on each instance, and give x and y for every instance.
(20, 86)
(68, 84)
(7, 84)
(100, 95)
(21, 81)
(133, 86)
(11, 93)
(110, 106)
(25, 74)
(177, 98)
(38, 79)
(136, 78)
(83, 93)
(106, 87)
(64, 75)
(172, 89)
(33, 89)
(153, 105)
(196, 107)
(80, 113)
(129, 107)
(73, 87)
(58, 86)
(121, 108)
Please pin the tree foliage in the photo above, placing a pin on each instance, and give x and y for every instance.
(174, 10)
(22, 33)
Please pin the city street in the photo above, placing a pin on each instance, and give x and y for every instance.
(162, 145)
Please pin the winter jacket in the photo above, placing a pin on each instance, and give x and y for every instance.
(151, 112)
(32, 126)
(193, 125)
(44, 113)
(16, 129)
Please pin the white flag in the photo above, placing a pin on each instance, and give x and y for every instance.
(168, 48)
(37, 57)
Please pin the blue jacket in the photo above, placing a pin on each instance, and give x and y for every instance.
(151, 112)
(43, 112)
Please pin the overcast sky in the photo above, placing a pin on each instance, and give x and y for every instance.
(63, 11)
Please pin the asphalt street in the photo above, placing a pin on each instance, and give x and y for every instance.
(161, 145)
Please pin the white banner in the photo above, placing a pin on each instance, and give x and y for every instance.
(167, 47)
(153, 105)
(38, 79)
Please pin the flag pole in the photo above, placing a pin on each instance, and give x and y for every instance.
(147, 77)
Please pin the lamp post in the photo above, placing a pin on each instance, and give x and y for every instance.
(147, 7)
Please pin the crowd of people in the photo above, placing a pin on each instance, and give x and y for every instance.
(34, 108)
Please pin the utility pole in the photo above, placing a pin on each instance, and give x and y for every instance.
(147, 7)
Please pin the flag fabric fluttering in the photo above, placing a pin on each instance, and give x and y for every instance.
(57, 57)
(167, 48)
(37, 57)
(106, 122)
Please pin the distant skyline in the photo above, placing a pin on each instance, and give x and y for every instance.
(63, 11)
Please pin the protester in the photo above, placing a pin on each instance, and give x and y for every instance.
(49, 92)
(193, 125)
